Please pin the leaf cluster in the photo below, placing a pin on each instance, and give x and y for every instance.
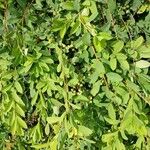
(74, 74)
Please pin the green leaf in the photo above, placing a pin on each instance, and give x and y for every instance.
(81, 98)
(123, 135)
(144, 51)
(63, 31)
(25, 69)
(21, 122)
(47, 60)
(73, 82)
(53, 144)
(111, 112)
(95, 88)
(99, 67)
(47, 129)
(68, 5)
(22, 3)
(41, 146)
(59, 67)
(113, 63)
(18, 87)
(110, 121)
(84, 131)
(17, 98)
(34, 99)
(109, 136)
(111, 5)
(86, 38)
(104, 36)
(44, 66)
(42, 100)
(132, 86)
(94, 11)
(114, 77)
(118, 46)
(121, 56)
(75, 27)
(98, 46)
(52, 120)
(142, 64)
(124, 65)
(9, 107)
(58, 24)
(142, 9)
(14, 127)
(94, 77)
(85, 12)
(137, 43)
(20, 111)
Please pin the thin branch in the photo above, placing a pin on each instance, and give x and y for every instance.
(5, 15)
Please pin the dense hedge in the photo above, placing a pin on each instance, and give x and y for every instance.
(74, 74)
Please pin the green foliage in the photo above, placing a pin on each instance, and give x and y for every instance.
(74, 74)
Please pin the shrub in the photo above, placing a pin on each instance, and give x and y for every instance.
(74, 74)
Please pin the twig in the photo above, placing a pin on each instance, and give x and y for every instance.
(5, 15)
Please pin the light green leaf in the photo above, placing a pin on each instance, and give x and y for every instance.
(94, 11)
(47, 60)
(142, 9)
(68, 5)
(97, 44)
(123, 135)
(17, 98)
(110, 121)
(85, 12)
(75, 27)
(81, 98)
(95, 88)
(42, 100)
(86, 38)
(118, 46)
(44, 66)
(114, 77)
(57, 24)
(111, 112)
(14, 127)
(132, 86)
(124, 65)
(73, 82)
(104, 36)
(63, 31)
(34, 99)
(19, 110)
(142, 64)
(9, 107)
(137, 43)
(47, 129)
(121, 56)
(41, 146)
(59, 67)
(109, 137)
(52, 120)
(111, 5)
(25, 69)
(21, 122)
(144, 51)
(53, 144)
(84, 131)
(113, 63)
(99, 67)
(18, 87)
